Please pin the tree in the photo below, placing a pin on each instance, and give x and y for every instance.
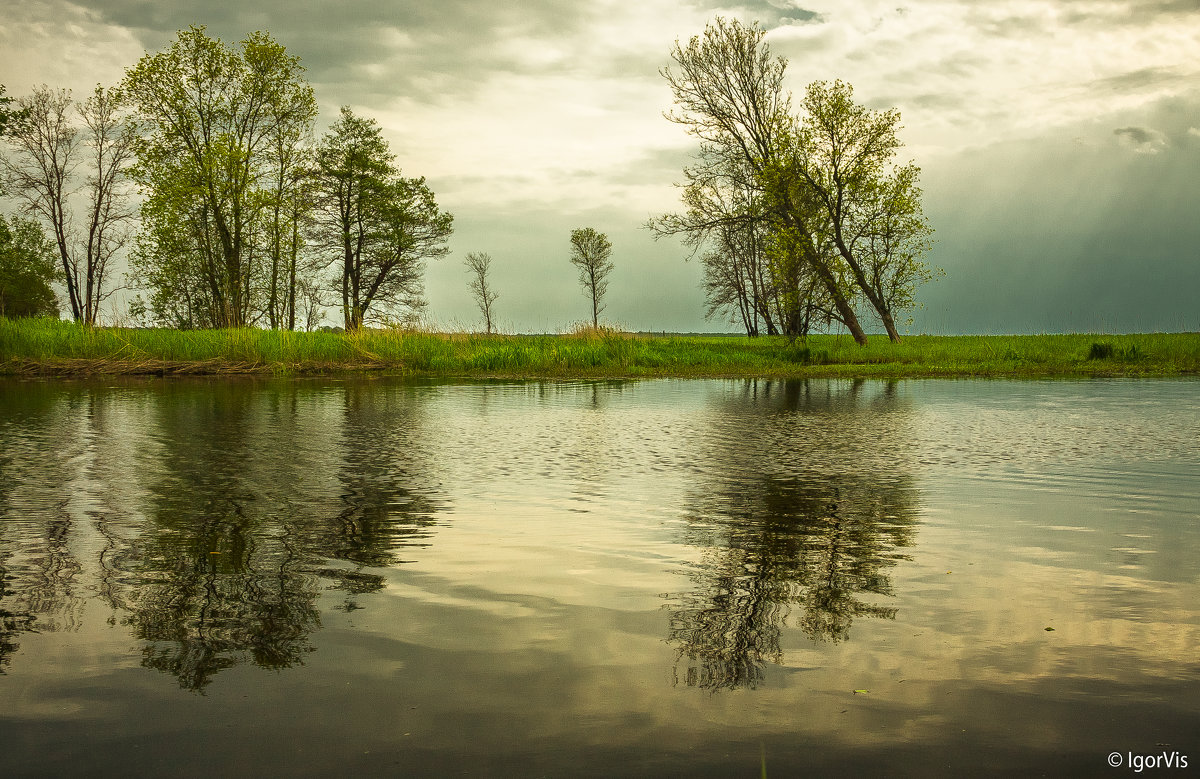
(729, 91)
(839, 160)
(378, 226)
(591, 252)
(478, 264)
(27, 266)
(218, 156)
(48, 148)
(837, 222)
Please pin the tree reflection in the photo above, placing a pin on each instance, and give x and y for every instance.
(249, 502)
(38, 570)
(780, 539)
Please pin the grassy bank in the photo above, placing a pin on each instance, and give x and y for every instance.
(48, 347)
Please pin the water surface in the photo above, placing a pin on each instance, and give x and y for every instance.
(640, 578)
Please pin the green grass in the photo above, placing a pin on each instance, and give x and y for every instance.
(51, 347)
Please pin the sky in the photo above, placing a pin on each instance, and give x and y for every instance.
(1059, 139)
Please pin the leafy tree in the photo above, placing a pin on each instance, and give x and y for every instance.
(27, 267)
(478, 264)
(218, 162)
(6, 114)
(818, 197)
(376, 225)
(838, 159)
(591, 253)
(47, 149)
(729, 94)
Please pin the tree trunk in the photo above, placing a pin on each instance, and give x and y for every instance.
(877, 302)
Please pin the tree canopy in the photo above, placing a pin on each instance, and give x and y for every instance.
(221, 126)
(806, 217)
(27, 266)
(375, 226)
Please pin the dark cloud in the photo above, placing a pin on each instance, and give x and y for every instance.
(769, 13)
(366, 49)
(1089, 12)
(1141, 79)
(1062, 234)
(1143, 140)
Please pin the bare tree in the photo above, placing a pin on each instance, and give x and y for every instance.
(591, 252)
(110, 146)
(47, 149)
(43, 147)
(478, 264)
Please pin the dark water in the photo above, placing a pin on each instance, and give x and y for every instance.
(656, 578)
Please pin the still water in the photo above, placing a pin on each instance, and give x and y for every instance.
(642, 578)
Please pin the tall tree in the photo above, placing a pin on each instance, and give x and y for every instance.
(27, 266)
(216, 117)
(840, 221)
(48, 148)
(478, 264)
(591, 253)
(109, 143)
(729, 93)
(840, 160)
(376, 225)
(43, 155)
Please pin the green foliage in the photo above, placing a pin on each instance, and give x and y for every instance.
(1100, 350)
(6, 114)
(377, 227)
(27, 267)
(216, 158)
(814, 199)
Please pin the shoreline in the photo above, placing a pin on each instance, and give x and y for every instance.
(54, 349)
(82, 368)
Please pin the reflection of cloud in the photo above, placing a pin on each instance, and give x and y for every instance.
(1142, 140)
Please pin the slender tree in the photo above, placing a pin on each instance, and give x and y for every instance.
(43, 155)
(478, 264)
(591, 253)
(109, 141)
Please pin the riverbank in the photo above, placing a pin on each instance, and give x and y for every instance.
(54, 348)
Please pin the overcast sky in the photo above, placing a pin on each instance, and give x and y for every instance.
(1060, 139)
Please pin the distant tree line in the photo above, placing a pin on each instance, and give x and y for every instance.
(244, 219)
(800, 219)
